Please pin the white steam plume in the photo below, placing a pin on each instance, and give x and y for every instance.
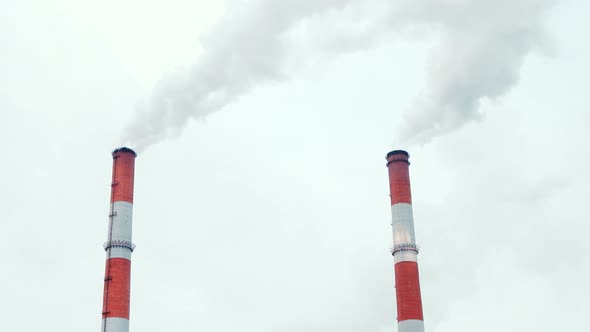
(483, 45)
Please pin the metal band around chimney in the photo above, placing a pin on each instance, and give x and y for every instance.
(118, 243)
(405, 247)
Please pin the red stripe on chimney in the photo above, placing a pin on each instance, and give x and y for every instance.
(399, 179)
(123, 172)
(407, 290)
(117, 282)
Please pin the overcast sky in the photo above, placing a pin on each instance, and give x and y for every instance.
(271, 212)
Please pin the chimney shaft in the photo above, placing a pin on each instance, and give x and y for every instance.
(405, 250)
(115, 307)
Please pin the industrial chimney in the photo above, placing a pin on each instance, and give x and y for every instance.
(405, 250)
(115, 306)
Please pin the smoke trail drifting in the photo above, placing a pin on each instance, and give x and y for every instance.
(247, 48)
(483, 46)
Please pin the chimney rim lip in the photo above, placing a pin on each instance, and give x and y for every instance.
(124, 149)
(395, 152)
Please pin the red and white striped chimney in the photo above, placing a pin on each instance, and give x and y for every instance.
(115, 306)
(405, 250)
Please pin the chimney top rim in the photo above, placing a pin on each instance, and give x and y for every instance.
(394, 152)
(124, 149)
